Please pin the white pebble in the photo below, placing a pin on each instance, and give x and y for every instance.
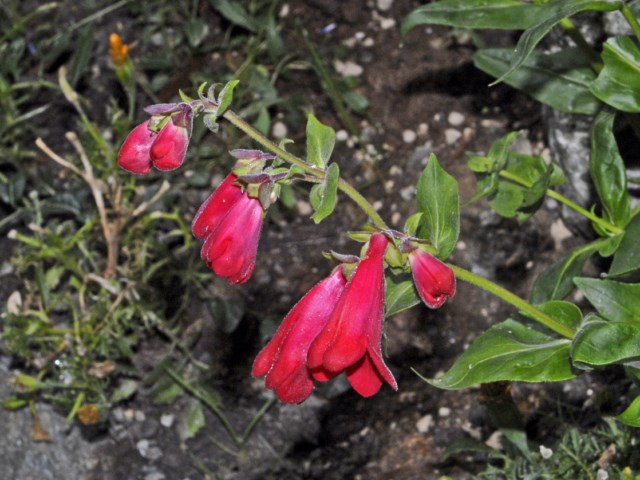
(408, 136)
(368, 42)
(348, 68)
(444, 411)
(342, 135)
(451, 136)
(423, 129)
(455, 118)
(424, 424)
(395, 218)
(360, 35)
(384, 5)
(387, 23)
(167, 419)
(284, 11)
(304, 208)
(279, 130)
(545, 452)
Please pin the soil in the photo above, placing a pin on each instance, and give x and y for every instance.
(424, 97)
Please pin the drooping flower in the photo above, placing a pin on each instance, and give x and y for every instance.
(214, 209)
(352, 339)
(284, 359)
(230, 222)
(433, 279)
(135, 155)
(170, 147)
(144, 147)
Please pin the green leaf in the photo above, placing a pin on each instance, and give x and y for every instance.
(618, 83)
(498, 14)
(626, 260)
(552, 14)
(615, 301)
(608, 170)
(566, 313)
(509, 351)
(194, 418)
(226, 96)
(328, 194)
(499, 151)
(600, 342)
(125, 390)
(556, 282)
(631, 416)
(356, 101)
(401, 294)
(196, 30)
(437, 196)
(14, 403)
(320, 142)
(236, 14)
(560, 80)
(82, 55)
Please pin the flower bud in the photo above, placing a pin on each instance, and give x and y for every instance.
(433, 279)
(134, 155)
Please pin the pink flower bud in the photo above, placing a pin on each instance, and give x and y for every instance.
(134, 155)
(214, 209)
(230, 248)
(170, 146)
(352, 339)
(434, 280)
(284, 359)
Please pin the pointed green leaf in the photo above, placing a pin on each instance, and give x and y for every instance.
(560, 80)
(320, 142)
(226, 96)
(615, 301)
(631, 416)
(618, 83)
(600, 342)
(498, 14)
(608, 170)
(194, 418)
(437, 197)
(328, 194)
(556, 282)
(626, 260)
(401, 294)
(236, 14)
(509, 351)
(552, 14)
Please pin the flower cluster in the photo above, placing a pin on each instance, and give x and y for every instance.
(337, 326)
(161, 141)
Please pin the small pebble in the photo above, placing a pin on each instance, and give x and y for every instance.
(167, 419)
(395, 218)
(387, 23)
(348, 68)
(424, 424)
(279, 130)
(495, 440)
(545, 452)
(384, 5)
(140, 416)
(455, 119)
(451, 136)
(368, 42)
(408, 136)
(342, 135)
(423, 129)
(304, 208)
(444, 411)
(284, 11)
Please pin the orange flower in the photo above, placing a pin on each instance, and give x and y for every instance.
(118, 50)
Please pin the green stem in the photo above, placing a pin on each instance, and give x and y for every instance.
(533, 312)
(569, 203)
(345, 187)
(631, 20)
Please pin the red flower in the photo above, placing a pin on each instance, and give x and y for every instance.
(214, 209)
(434, 280)
(351, 340)
(169, 148)
(284, 359)
(135, 153)
(230, 222)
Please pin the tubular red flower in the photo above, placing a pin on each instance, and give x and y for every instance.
(169, 148)
(230, 248)
(134, 155)
(433, 279)
(284, 359)
(216, 207)
(351, 340)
